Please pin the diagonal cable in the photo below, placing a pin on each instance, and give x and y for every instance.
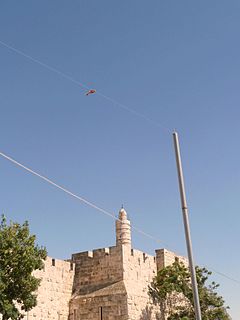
(81, 84)
(87, 202)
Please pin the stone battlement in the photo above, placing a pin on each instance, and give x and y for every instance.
(52, 264)
(55, 290)
(96, 253)
(165, 258)
(142, 256)
(97, 268)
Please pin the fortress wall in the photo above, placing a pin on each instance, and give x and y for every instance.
(139, 270)
(54, 292)
(139, 267)
(165, 258)
(99, 307)
(97, 269)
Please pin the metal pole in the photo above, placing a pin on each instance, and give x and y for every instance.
(187, 227)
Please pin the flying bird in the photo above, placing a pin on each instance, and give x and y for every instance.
(91, 91)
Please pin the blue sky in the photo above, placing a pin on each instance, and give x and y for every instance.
(176, 62)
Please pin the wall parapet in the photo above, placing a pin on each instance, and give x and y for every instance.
(96, 253)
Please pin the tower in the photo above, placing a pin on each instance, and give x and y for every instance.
(123, 229)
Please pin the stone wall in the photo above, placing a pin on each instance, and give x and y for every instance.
(165, 258)
(98, 289)
(97, 269)
(109, 303)
(112, 283)
(54, 292)
(103, 284)
(139, 270)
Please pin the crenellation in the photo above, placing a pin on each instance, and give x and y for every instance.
(55, 290)
(114, 250)
(165, 258)
(82, 255)
(94, 273)
(99, 253)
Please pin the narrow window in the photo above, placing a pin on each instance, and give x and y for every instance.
(71, 266)
(53, 262)
(74, 314)
(177, 260)
(100, 313)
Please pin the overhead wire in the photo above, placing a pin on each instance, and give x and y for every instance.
(116, 103)
(83, 85)
(224, 275)
(94, 206)
(74, 195)
(45, 65)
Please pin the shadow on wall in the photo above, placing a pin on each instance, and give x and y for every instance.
(149, 314)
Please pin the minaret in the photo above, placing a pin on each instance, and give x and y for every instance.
(123, 229)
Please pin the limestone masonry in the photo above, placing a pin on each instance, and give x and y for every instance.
(103, 284)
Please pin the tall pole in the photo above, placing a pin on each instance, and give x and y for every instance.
(187, 227)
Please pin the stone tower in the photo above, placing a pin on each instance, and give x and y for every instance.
(123, 229)
(112, 283)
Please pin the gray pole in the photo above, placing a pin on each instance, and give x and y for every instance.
(187, 228)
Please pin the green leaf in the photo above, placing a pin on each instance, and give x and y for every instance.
(19, 257)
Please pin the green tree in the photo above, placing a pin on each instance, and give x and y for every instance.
(19, 257)
(171, 289)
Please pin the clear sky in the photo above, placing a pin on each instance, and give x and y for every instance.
(176, 62)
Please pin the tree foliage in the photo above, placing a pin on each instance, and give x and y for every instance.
(19, 257)
(171, 289)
